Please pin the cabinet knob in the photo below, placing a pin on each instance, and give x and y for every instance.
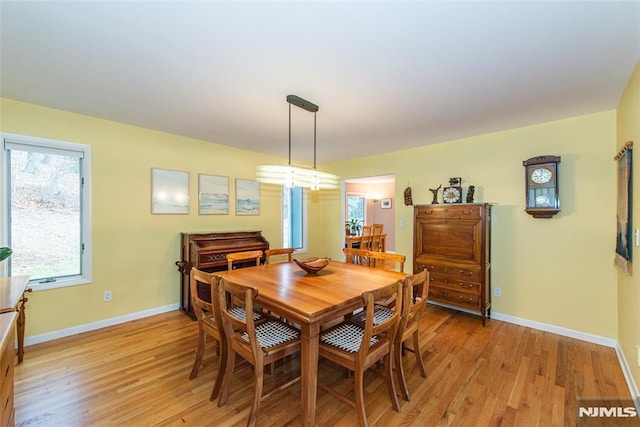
(466, 285)
(466, 300)
(466, 273)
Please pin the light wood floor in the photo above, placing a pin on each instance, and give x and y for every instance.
(137, 374)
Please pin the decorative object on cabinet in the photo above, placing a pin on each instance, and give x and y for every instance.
(208, 252)
(470, 192)
(169, 191)
(434, 191)
(454, 244)
(452, 193)
(247, 197)
(541, 186)
(623, 207)
(293, 176)
(385, 204)
(213, 194)
(408, 199)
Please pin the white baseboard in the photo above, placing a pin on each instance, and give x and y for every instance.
(626, 370)
(37, 339)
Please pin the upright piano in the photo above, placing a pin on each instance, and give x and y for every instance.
(208, 252)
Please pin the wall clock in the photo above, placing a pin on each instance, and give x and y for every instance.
(541, 186)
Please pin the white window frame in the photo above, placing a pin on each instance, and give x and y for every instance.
(86, 275)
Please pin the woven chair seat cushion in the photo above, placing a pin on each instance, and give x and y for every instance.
(380, 315)
(347, 337)
(272, 333)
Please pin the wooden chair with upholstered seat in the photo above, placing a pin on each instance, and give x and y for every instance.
(414, 302)
(382, 259)
(280, 251)
(243, 256)
(357, 347)
(259, 344)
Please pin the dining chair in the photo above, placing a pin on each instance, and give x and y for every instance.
(208, 318)
(259, 344)
(243, 256)
(365, 237)
(414, 302)
(357, 347)
(280, 251)
(382, 260)
(376, 237)
(356, 256)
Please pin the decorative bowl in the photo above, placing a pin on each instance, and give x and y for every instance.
(312, 265)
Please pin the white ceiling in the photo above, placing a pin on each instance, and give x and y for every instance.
(386, 75)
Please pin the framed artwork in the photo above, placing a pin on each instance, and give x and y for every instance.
(213, 194)
(169, 191)
(624, 207)
(385, 204)
(247, 197)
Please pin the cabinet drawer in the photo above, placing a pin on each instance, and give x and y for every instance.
(469, 274)
(450, 212)
(454, 284)
(462, 299)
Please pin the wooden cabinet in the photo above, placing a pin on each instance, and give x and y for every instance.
(7, 354)
(454, 243)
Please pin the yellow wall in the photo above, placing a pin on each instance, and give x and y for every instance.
(133, 251)
(628, 128)
(557, 271)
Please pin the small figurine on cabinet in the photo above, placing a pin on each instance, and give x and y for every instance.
(472, 189)
(435, 194)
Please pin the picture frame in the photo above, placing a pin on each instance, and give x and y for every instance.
(213, 194)
(247, 197)
(624, 233)
(169, 192)
(385, 204)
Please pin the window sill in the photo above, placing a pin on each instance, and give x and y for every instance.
(59, 283)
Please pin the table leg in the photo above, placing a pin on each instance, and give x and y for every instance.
(309, 372)
(20, 325)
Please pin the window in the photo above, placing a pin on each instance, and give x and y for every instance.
(356, 208)
(294, 219)
(47, 204)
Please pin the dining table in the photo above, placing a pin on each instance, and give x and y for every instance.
(311, 300)
(350, 239)
(13, 297)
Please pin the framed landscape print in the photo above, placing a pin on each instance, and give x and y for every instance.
(624, 207)
(169, 191)
(213, 194)
(247, 197)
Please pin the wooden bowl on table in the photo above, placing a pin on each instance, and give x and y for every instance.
(312, 265)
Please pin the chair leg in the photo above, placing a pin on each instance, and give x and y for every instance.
(202, 340)
(391, 384)
(258, 377)
(418, 353)
(397, 360)
(222, 362)
(359, 395)
(228, 373)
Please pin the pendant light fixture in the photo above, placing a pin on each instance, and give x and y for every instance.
(293, 176)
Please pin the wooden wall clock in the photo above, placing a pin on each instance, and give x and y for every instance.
(541, 186)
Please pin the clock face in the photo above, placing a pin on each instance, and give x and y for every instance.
(541, 175)
(451, 195)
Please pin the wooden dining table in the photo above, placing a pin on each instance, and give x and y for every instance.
(311, 301)
(13, 297)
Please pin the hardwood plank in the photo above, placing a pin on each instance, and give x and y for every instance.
(137, 373)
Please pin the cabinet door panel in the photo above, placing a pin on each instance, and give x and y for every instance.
(453, 240)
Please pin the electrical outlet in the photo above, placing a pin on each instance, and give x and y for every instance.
(497, 291)
(107, 296)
